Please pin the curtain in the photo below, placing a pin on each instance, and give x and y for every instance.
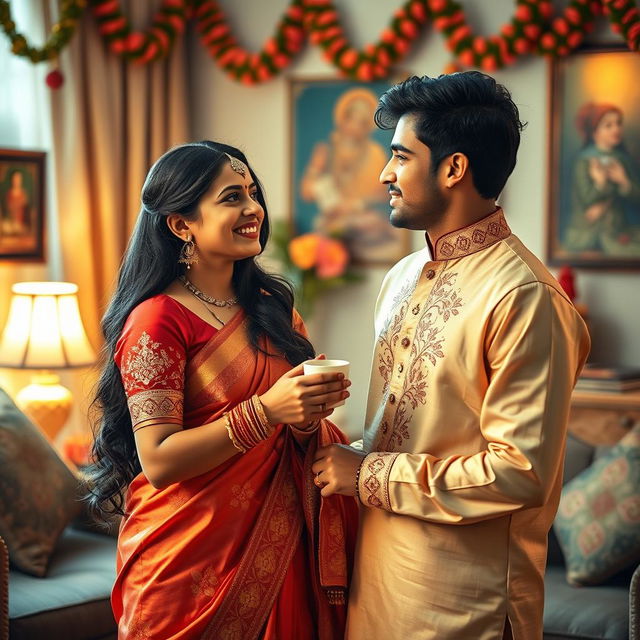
(111, 120)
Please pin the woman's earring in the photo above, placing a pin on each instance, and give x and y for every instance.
(188, 254)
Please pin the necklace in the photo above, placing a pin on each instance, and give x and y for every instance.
(204, 297)
(210, 310)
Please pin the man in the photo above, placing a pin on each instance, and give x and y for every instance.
(477, 352)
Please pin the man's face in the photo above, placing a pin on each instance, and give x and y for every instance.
(417, 200)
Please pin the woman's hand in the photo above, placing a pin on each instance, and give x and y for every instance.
(298, 399)
(598, 173)
(597, 210)
(617, 174)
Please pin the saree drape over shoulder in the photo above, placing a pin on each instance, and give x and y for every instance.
(248, 550)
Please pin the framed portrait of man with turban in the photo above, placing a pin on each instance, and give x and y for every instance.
(594, 163)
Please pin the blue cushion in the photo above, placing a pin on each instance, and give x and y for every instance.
(598, 519)
(82, 569)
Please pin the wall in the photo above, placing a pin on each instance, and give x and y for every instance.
(256, 119)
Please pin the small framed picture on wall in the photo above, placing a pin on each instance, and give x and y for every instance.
(337, 155)
(22, 205)
(593, 217)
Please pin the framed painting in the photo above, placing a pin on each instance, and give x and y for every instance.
(22, 205)
(337, 154)
(593, 217)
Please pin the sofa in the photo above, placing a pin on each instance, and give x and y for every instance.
(63, 591)
(58, 583)
(72, 601)
(608, 611)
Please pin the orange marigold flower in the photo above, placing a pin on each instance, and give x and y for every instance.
(303, 250)
(332, 258)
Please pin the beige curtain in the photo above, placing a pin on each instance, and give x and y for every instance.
(112, 119)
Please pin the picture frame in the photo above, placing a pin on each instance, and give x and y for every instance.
(336, 156)
(593, 210)
(22, 205)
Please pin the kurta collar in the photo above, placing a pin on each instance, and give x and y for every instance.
(475, 237)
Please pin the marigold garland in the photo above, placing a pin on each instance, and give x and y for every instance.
(141, 46)
(533, 29)
(61, 32)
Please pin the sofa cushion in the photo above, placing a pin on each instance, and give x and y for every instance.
(598, 520)
(74, 597)
(38, 493)
(578, 456)
(594, 613)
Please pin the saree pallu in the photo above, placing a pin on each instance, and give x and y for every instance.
(248, 550)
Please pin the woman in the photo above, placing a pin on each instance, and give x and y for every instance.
(17, 203)
(606, 187)
(209, 425)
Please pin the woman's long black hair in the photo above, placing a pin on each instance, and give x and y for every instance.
(175, 184)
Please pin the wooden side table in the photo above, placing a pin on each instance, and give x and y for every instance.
(602, 418)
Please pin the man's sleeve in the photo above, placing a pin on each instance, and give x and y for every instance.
(535, 347)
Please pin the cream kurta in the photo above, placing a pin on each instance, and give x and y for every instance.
(476, 355)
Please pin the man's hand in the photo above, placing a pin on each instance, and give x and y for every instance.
(335, 467)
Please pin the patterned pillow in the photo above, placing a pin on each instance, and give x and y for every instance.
(598, 521)
(38, 493)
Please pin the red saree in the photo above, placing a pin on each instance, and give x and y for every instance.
(248, 550)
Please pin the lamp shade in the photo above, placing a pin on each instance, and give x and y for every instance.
(44, 329)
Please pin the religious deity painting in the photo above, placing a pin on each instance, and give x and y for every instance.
(22, 203)
(337, 156)
(594, 164)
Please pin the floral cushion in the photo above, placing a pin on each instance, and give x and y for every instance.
(38, 493)
(598, 521)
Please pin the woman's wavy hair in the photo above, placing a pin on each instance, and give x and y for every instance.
(175, 184)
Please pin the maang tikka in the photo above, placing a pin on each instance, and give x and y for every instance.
(237, 165)
(188, 254)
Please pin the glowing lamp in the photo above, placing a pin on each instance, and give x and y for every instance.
(44, 331)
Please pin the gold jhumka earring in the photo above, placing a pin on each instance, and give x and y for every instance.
(188, 255)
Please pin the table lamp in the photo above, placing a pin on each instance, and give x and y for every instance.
(44, 331)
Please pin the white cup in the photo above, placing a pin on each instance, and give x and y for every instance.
(327, 366)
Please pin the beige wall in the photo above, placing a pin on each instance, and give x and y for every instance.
(256, 119)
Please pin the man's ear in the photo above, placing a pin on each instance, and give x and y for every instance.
(456, 167)
(179, 226)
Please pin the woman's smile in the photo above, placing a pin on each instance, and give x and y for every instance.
(248, 230)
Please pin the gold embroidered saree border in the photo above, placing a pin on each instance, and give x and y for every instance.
(204, 371)
(258, 579)
(156, 405)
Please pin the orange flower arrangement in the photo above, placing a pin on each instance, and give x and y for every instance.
(314, 263)
(328, 255)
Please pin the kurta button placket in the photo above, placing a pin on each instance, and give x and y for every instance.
(405, 342)
(400, 368)
(416, 310)
(430, 274)
(392, 398)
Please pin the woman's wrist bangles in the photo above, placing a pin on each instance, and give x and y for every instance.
(247, 424)
(312, 427)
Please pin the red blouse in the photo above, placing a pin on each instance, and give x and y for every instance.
(158, 338)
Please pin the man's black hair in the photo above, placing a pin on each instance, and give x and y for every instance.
(466, 112)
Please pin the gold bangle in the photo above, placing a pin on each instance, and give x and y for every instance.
(258, 406)
(232, 435)
(313, 429)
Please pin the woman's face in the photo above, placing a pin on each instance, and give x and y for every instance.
(16, 180)
(608, 133)
(230, 218)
